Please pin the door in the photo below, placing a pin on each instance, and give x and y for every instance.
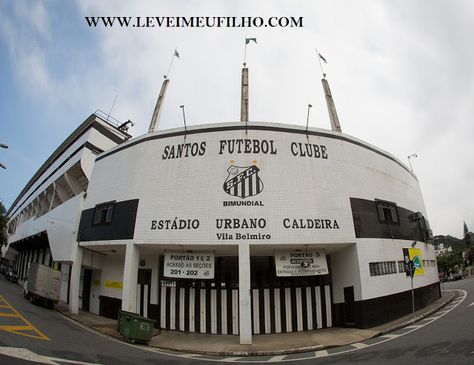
(349, 304)
(86, 289)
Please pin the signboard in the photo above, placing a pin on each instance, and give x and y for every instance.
(195, 265)
(413, 255)
(297, 263)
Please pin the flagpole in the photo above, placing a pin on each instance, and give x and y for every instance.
(245, 53)
(320, 65)
(171, 63)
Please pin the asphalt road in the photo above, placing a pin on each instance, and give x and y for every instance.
(446, 340)
(44, 335)
(66, 339)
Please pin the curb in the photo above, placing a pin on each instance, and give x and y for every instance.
(417, 318)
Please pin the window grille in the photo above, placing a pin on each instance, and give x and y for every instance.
(103, 213)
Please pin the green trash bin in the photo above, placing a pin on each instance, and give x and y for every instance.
(135, 328)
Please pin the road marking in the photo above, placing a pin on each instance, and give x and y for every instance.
(359, 345)
(389, 335)
(19, 330)
(231, 359)
(25, 354)
(8, 315)
(321, 353)
(471, 304)
(277, 358)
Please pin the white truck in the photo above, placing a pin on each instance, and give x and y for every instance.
(43, 285)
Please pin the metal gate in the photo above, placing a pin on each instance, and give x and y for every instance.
(274, 310)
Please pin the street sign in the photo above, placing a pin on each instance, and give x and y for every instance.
(413, 256)
(196, 265)
(297, 263)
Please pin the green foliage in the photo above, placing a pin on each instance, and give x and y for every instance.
(468, 236)
(449, 261)
(453, 261)
(3, 226)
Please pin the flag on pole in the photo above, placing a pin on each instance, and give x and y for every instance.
(247, 40)
(320, 56)
(176, 54)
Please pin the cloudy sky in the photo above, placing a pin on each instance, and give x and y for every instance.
(401, 73)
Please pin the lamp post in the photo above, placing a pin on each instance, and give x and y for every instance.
(3, 145)
(412, 273)
(184, 120)
(307, 119)
(414, 155)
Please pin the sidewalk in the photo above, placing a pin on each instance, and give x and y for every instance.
(275, 344)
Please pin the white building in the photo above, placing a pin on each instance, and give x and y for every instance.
(227, 228)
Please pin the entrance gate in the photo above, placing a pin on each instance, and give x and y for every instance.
(279, 305)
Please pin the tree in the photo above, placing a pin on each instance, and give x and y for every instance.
(450, 262)
(467, 236)
(468, 239)
(3, 227)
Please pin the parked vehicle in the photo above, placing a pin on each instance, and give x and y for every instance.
(11, 275)
(43, 285)
(457, 276)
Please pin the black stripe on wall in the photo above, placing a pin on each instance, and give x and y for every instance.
(176, 308)
(323, 307)
(314, 304)
(229, 311)
(261, 308)
(121, 227)
(186, 309)
(305, 309)
(260, 128)
(283, 310)
(272, 310)
(294, 313)
(142, 294)
(197, 309)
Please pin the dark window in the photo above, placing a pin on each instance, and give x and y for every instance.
(382, 268)
(387, 212)
(401, 266)
(103, 213)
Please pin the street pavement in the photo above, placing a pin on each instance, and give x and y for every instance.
(49, 337)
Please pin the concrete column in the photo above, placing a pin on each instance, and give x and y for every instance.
(75, 281)
(158, 106)
(335, 125)
(130, 278)
(245, 313)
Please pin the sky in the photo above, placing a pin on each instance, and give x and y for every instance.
(401, 74)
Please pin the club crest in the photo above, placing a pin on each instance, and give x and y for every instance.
(243, 181)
